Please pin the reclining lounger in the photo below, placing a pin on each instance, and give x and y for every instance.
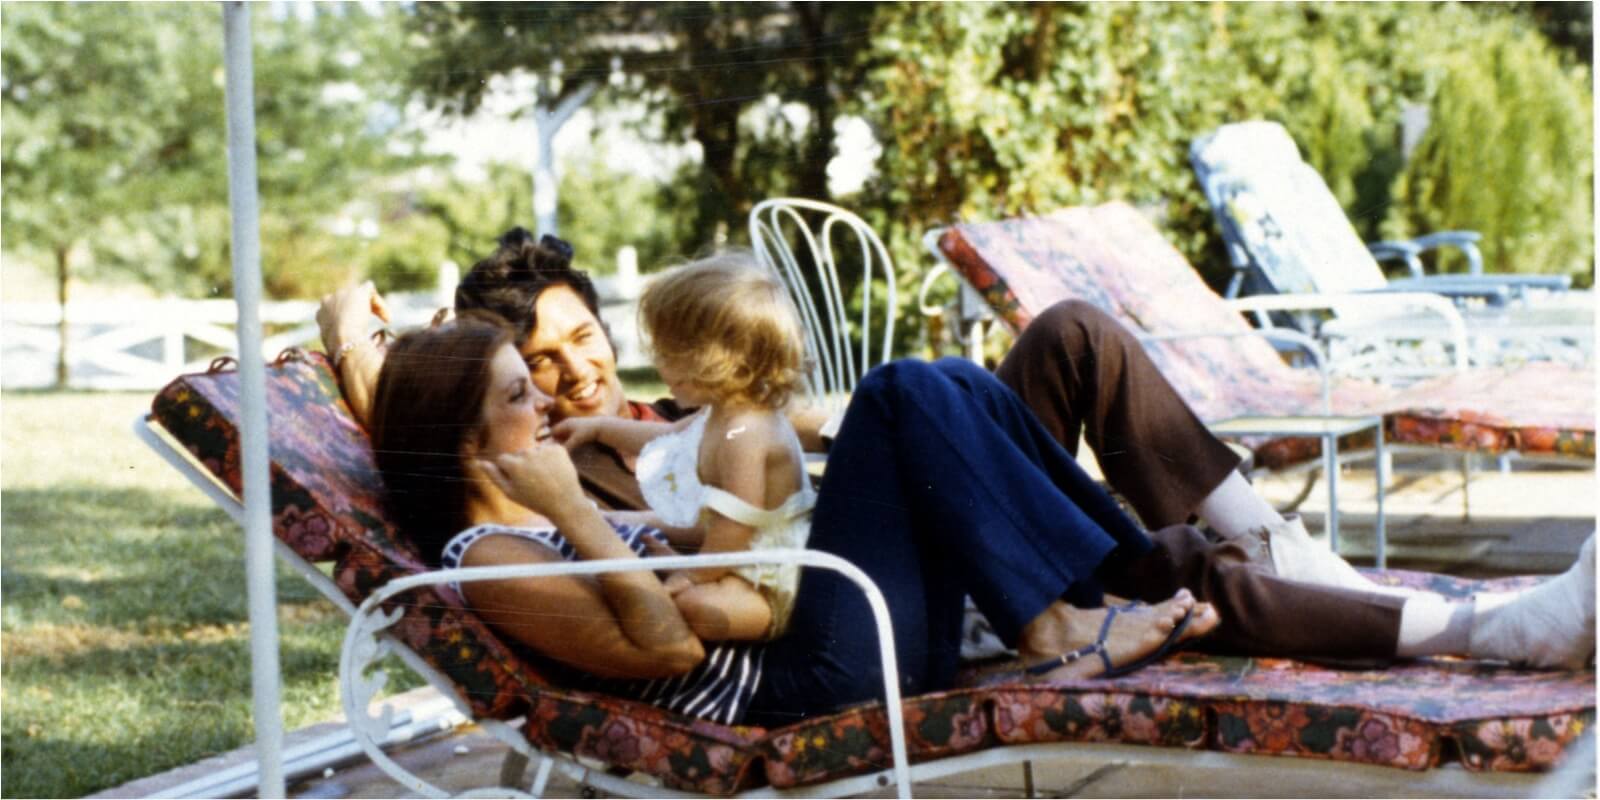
(1439, 727)
(1113, 258)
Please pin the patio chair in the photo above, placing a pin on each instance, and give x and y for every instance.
(1113, 258)
(1437, 727)
(1286, 233)
(805, 243)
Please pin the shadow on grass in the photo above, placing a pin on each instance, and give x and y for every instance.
(126, 643)
(105, 716)
(125, 557)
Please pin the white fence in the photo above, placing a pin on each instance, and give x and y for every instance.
(145, 344)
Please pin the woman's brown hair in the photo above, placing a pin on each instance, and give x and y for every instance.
(428, 401)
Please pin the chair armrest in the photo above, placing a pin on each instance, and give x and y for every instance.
(1410, 250)
(1400, 301)
(1483, 285)
(362, 646)
(1279, 334)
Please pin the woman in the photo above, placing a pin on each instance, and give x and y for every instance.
(931, 515)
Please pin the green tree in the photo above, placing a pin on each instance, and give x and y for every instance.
(1508, 152)
(994, 110)
(115, 141)
(703, 67)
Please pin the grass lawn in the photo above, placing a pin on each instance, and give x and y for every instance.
(125, 648)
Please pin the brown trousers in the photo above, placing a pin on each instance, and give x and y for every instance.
(1082, 372)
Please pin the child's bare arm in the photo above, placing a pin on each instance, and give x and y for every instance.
(728, 609)
(625, 436)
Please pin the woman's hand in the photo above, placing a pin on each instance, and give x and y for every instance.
(541, 478)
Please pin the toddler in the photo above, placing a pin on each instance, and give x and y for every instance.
(731, 476)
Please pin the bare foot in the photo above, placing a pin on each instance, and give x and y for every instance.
(1135, 633)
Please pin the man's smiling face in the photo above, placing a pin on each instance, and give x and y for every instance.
(570, 358)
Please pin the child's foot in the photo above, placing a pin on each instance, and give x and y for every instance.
(1549, 626)
(1081, 645)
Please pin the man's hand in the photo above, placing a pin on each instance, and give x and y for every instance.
(344, 315)
(343, 318)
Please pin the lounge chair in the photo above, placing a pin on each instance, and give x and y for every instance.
(1286, 233)
(1112, 257)
(1438, 727)
(804, 242)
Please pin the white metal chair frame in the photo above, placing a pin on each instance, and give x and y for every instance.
(841, 355)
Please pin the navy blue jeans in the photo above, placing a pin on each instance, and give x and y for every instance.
(940, 484)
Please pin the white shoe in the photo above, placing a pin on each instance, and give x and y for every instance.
(1551, 625)
(1298, 557)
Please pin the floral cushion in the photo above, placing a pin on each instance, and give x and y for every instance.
(1113, 258)
(328, 504)
(684, 752)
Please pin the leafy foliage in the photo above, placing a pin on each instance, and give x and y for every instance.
(994, 110)
(703, 68)
(1509, 152)
(116, 137)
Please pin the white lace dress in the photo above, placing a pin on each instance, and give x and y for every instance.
(669, 478)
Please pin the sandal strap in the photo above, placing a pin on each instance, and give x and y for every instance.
(1105, 631)
(1068, 657)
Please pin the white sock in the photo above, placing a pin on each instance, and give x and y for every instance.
(1550, 625)
(1432, 626)
(1234, 509)
(1297, 557)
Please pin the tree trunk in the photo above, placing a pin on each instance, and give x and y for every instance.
(63, 330)
(812, 181)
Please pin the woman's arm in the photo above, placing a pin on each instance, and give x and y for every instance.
(622, 624)
(686, 540)
(606, 626)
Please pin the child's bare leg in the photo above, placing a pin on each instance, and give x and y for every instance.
(724, 610)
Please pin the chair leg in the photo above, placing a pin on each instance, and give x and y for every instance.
(1467, 460)
(541, 777)
(514, 767)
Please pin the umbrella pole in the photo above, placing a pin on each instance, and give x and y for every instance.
(246, 239)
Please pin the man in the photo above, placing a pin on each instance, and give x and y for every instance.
(1077, 370)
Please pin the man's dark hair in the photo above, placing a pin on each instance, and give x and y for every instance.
(509, 282)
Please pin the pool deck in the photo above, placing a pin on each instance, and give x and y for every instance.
(1530, 520)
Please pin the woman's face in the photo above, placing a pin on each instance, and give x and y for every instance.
(515, 412)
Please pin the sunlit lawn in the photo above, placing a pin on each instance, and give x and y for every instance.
(126, 645)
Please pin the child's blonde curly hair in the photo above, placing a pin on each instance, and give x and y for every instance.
(729, 323)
